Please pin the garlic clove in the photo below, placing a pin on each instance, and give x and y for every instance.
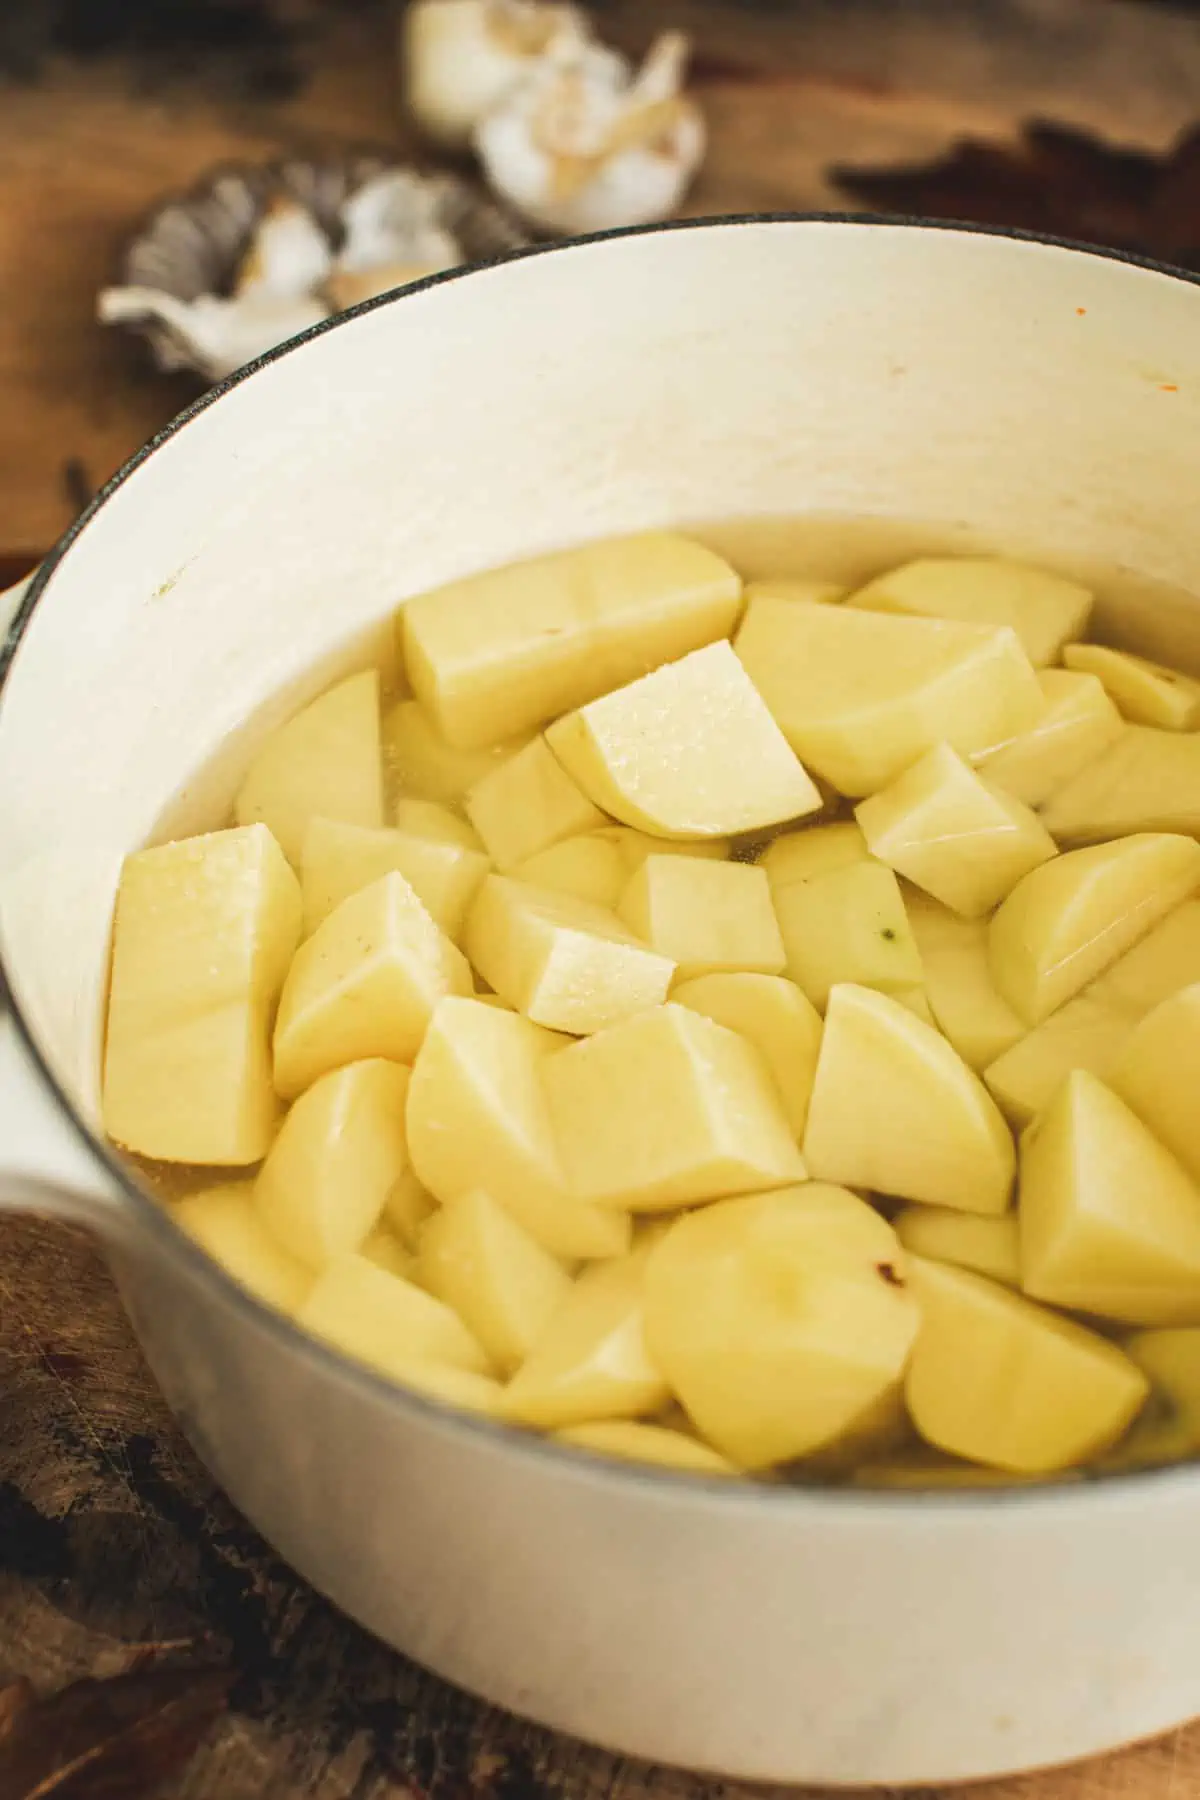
(288, 254)
(394, 218)
(461, 57)
(215, 335)
(348, 287)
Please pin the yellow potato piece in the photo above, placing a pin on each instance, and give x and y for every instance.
(1046, 611)
(364, 984)
(461, 1388)
(562, 962)
(339, 860)
(426, 767)
(1110, 1222)
(848, 925)
(966, 1005)
(431, 819)
(688, 751)
(779, 1320)
(635, 846)
(223, 1221)
(860, 695)
(203, 933)
(385, 1249)
(1156, 1071)
(391, 1324)
(326, 762)
(1168, 1428)
(895, 1109)
(590, 868)
(590, 1361)
(526, 805)
(795, 587)
(968, 1240)
(498, 653)
(925, 1470)
(478, 1117)
(771, 1013)
(409, 1203)
(999, 1380)
(339, 1152)
(499, 1279)
(1066, 922)
(1079, 722)
(1144, 692)
(667, 1109)
(705, 916)
(1145, 781)
(816, 850)
(626, 1440)
(960, 839)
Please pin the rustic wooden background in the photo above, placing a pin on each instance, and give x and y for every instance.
(114, 1548)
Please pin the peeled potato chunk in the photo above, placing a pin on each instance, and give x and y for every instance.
(1110, 1222)
(326, 762)
(634, 847)
(1144, 692)
(499, 1279)
(962, 840)
(590, 867)
(968, 1240)
(563, 962)
(667, 1109)
(627, 1440)
(1156, 1074)
(704, 916)
(339, 860)
(779, 1320)
(1146, 780)
(590, 1362)
(771, 1013)
(478, 1118)
(895, 1109)
(528, 804)
(814, 850)
(860, 695)
(500, 652)
(1046, 611)
(203, 933)
(380, 1319)
(848, 925)
(383, 1247)
(408, 1205)
(339, 1152)
(431, 820)
(966, 1005)
(364, 984)
(1079, 722)
(688, 751)
(1168, 1428)
(426, 767)
(999, 1380)
(796, 587)
(223, 1221)
(1066, 922)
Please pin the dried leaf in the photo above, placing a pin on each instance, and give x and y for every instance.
(119, 1739)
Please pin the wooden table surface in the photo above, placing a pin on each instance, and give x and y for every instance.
(113, 1544)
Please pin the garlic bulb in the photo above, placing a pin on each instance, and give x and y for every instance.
(288, 254)
(584, 143)
(462, 57)
(349, 287)
(214, 335)
(396, 218)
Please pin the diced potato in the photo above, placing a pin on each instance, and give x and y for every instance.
(528, 804)
(339, 1152)
(202, 937)
(1066, 922)
(389, 1323)
(498, 1279)
(896, 1110)
(925, 1470)
(461, 1388)
(635, 846)
(1168, 1428)
(968, 1240)
(385, 1249)
(917, 1003)
(500, 652)
(364, 984)
(1046, 611)
(771, 1013)
(590, 1362)
(428, 768)
(432, 819)
(705, 916)
(1156, 1071)
(966, 1005)
(795, 587)
(689, 751)
(815, 850)
(326, 762)
(848, 925)
(860, 695)
(626, 1440)
(999, 1380)
(563, 962)
(1145, 781)
(590, 868)
(964, 841)
(1144, 692)
(667, 1109)
(409, 1203)
(477, 1117)
(339, 860)
(779, 1320)
(1110, 1222)
(222, 1220)
(1079, 722)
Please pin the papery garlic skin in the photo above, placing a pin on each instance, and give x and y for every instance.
(393, 218)
(215, 335)
(462, 57)
(288, 254)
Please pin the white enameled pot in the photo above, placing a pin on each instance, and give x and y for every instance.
(1027, 390)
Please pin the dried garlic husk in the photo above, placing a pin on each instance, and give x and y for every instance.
(288, 255)
(396, 218)
(585, 144)
(214, 335)
(462, 57)
(347, 287)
